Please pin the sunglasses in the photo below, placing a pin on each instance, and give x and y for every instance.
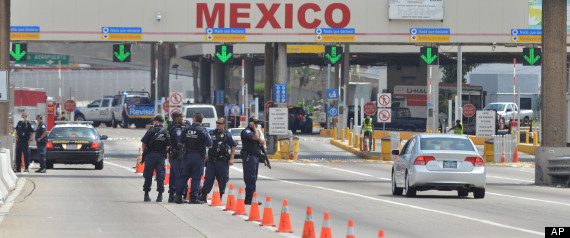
(219, 123)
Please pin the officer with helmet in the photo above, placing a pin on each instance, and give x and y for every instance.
(250, 155)
(218, 160)
(196, 139)
(155, 143)
(175, 155)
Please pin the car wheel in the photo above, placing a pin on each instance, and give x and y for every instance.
(114, 123)
(395, 189)
(49, 164)
(526, 121)
(410, 192)
(479, 193)
(140, 124)
(79, 117)
(462, 193)
(96, 124)
(109, 124)
(99, 165)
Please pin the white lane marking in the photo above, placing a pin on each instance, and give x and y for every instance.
(120, 166)
(492, 223)
(521, 180)
(5, 208)
(530, 199)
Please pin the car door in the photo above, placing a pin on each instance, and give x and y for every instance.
(401, 162)
(92, 112)
(104, 110)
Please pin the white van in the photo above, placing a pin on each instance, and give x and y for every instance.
(209, 112)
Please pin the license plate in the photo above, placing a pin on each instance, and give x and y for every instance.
(71, 147)
(206, 124)
(450, 164)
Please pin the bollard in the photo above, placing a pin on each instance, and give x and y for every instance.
(373, 144)
(527, 136)
(357, 141)
(342, 136)
(534, 138)
(489, 152)
(335, 132)
(518, 135)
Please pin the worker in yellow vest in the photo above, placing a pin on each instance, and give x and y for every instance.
(368, 128)
(458, 128)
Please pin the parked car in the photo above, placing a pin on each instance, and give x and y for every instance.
(108, 110)
(299, 119)
(506, 110)
(236, 134)
(209, 112)
(401, 120)
(72, 142)
(442, 162)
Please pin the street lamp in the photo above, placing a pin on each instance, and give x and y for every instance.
(175, 66)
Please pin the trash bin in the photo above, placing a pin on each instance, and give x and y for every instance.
(386, 148)
(489, 151)
(284, 146)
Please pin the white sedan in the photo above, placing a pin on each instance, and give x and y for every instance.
(438, 162)
(236, 133)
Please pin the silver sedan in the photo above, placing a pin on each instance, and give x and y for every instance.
(438, 162)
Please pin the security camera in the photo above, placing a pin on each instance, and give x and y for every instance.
(158, 16)
(494, 45)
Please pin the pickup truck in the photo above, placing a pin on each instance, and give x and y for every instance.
(108, 110)
(506, 109)
(401, 120)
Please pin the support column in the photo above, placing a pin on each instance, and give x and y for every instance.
(5, 65)
(152, 71)
(345, 78)
(205, 80)
(268, 94)
(195, 82)
(554, 80)
(249, 72)
(220, 83)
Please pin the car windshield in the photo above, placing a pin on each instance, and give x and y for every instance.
(237, 131)
(438, 143)
(496, 107)
(206, 111)
(72, 132)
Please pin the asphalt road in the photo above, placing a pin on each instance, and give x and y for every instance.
(77, 201)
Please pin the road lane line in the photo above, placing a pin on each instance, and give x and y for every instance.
(521, 180)
(530, 199)
(120, 166)
(492, 223)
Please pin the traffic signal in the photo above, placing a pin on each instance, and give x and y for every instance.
(121, 53)
(19, 52)
(532, 56)
(333, 54)
(429, 56)
(224, 53)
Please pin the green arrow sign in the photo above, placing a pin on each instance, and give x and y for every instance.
(19, 52)
(428, 57)
(121, 55)
(224, 55)
(333, 57)
(531, 57)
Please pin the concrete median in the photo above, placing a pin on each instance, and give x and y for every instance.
(7, 177)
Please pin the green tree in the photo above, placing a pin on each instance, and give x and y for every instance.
(450, 72)
(306, 75)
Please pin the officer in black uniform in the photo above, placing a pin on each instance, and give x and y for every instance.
(196, 139)
(155, 141)
(250, 152)
(176, 154)
(41, 141)
(24, 136)
(218, 160)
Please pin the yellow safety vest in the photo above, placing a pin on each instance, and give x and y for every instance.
(459, 130)
(367, 126)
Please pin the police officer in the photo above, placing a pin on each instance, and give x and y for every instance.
(458, 128)
(155, 141)
(218, 160)
(196, 139)
(176, 154)
(125, 114)
(41, 141)
(367, 128)
(250, 155)
(24, 136)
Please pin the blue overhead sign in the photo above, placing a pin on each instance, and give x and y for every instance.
(235, 110)
(526, 32)
(226, 110)
(430, 31)
(280, 93)
(219, 97)
(332, 94)
(333, 112)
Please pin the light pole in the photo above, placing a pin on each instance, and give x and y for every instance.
(175, 66)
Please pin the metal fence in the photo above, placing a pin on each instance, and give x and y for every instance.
(504, 147)
(395, 143)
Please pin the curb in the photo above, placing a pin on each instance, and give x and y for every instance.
(353, 150)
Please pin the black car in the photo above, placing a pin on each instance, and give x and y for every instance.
(300, 120)
(75, 142)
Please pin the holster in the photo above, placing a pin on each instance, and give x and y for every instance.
(244, 155)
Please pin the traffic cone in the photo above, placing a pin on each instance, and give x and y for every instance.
(309, 228)
(381, 233)
(231, 200)
(189, 189)
(140, 167)
(285, 219)
(254, 209)
(516, 155)
(167, 176)
(202, 185)
(503, 157)
(365, 144)
(240, 204)
(350, 230)
(216, 200)
(23, 162)
(500, 122)
(267, 214)
(326, 229)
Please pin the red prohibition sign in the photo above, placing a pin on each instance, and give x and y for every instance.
(176, 98)
(384, 100)
(384, 115)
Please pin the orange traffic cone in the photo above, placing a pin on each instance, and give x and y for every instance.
(350, 231)
(503, 157)
(516, 155)
(140, 166)
(167, 176)
(309, 228)
(23, 162)
(231, 200)
(381, 234)
(240, 204)
(189, 189)
(500, 122)
(216, 200)
(267, 214)
(365, 144)
(326, 229)
(254, 209)
(202, 185)
(285, 219)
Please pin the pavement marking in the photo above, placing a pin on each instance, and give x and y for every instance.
(530, 199)
(488, 222)
(5, 208)
(120, 166)
(521, 180)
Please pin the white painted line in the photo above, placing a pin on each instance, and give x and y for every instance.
(530, 199)
(492, 223)
(5, 208)
(520, 180)
(120, 166)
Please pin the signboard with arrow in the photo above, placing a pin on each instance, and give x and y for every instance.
(429, 56)
(19, 52)
(532, 56)
(122, 53)
(224, 53)
(333, 54)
